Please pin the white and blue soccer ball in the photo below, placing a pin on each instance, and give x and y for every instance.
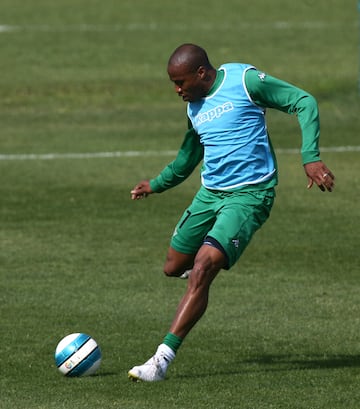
(77, 354)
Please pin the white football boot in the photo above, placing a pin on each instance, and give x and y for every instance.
(150, 371)
(185, 274)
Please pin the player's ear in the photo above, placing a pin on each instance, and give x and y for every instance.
(201, 71)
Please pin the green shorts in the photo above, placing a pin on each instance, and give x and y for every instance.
(228, 219)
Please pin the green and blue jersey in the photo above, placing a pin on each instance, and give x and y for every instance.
(228, 132)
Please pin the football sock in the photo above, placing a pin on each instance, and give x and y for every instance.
(167, 350)
(165, 355)
(172, 341)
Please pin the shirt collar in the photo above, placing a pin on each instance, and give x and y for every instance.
(218, 80)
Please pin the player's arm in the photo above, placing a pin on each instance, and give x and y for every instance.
(270, 92)
(189, 156)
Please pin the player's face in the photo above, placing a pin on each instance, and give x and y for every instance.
(188, 85)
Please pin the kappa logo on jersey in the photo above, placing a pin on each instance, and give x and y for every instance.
(262, 76)
(213, 113)
(235, 242)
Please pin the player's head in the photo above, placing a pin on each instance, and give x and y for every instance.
(191, 72)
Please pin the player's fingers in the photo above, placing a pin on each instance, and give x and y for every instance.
(135, 194)
(328, 180)
(138, 195)
(310, 183)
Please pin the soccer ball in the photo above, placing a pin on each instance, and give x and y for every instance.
(77, 355)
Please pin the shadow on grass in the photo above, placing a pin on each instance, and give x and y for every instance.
(279, 363)
(103, 374)
(275, 362)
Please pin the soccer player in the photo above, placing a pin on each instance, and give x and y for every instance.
(227, 131)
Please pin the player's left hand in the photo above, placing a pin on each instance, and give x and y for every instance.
(319, 173)
(141, 190)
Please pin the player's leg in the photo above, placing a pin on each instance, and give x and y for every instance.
(208, 262)
(187, 239)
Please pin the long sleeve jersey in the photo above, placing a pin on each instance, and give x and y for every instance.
(262, 91)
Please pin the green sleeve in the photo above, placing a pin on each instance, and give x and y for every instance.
(270, 92)
(189, 156)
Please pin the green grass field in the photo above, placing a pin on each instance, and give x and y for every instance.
(77, 255)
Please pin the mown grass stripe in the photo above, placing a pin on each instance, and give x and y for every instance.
(124, 154)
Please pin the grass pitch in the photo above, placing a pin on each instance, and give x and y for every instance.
(76, 254)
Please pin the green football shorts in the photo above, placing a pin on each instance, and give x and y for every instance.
(226, 220)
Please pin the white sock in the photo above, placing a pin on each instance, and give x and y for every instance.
(165, 355)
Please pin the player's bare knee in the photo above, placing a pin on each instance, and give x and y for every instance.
(176, 264)
(168, 271)
(171, 269)
(204, 271)
(201, 276)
